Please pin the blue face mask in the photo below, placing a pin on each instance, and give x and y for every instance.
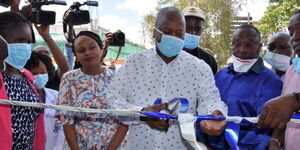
(296, 64)
(18, 54)
(169, 46)
(191, 41)
(40, 80)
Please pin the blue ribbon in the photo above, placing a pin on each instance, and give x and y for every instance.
(159, 115)
(232, 134)
(209, 117)
(296, 116)
(232, 129)
(158, 101)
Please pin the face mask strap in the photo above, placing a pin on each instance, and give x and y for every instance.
(2, 38)
(158, 31)
(4, 66)
(4, 63)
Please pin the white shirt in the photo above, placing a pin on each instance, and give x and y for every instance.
(54, 137)
(144, 77)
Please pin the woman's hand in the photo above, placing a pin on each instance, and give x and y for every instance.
(108, 40)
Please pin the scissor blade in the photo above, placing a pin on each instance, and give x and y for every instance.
(172, 111)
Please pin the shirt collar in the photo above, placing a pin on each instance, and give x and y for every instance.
(258, 67)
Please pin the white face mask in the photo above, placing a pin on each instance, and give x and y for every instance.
(277, 61)
(242, 65)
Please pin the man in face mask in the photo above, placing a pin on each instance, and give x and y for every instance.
(194, 27)
(292, 83)
(165, 72)
(245, 86)
(279, 53)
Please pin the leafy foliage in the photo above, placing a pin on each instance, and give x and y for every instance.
(276, 17)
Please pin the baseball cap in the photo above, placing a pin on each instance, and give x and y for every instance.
(193, 11)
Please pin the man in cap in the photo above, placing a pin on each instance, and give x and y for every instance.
(194, 27)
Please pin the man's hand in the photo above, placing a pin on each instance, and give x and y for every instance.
(278, 111)
(26, 11)
(43, 30)
(15, 5)
(213, 127)
(156, 123)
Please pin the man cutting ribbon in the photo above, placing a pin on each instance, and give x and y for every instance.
(164, 72)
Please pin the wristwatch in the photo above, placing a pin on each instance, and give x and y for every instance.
(47, 37)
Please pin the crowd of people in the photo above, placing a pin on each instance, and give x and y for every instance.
(266, 86)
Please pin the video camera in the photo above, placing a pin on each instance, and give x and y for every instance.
(75, 16)
(40, 16)
(5, 3)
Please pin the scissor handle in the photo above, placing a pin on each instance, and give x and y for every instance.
(183, 101)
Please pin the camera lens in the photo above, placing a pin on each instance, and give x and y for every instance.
(120, 36)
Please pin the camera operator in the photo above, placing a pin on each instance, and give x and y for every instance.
(58, 56)
(108, 40)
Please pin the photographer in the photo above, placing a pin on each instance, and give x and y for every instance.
(109, 39)
(58, 56)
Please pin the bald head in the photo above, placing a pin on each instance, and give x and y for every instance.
(280, 43)
(169, 21)
(167, 14)
(280, 37)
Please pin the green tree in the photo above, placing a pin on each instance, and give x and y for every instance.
(217, 36)
(276, 17)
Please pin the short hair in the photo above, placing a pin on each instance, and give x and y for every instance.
(249, 26)
(297, 12)
(8, 19)
(39, 47)
(34, 62)
(163, 12)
